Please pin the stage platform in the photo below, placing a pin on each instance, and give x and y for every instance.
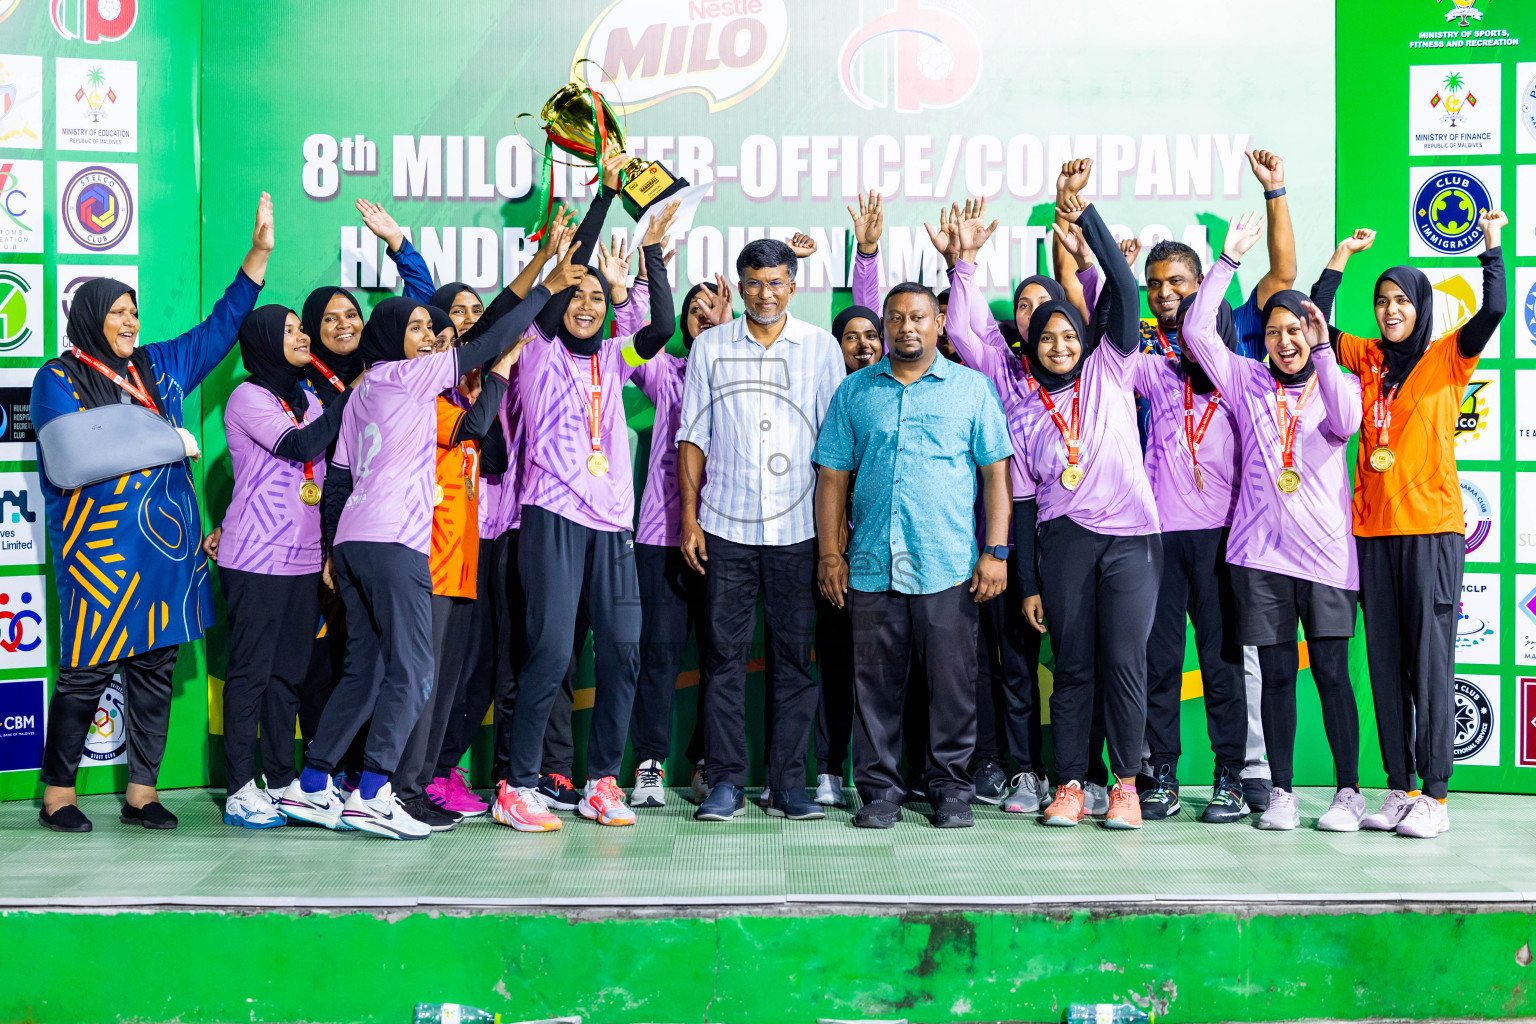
(762, 919)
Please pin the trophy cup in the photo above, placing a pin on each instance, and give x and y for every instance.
(578, 120)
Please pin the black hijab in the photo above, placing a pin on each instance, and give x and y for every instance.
(345, 367)
(693, 293)
(261, 350)
(584, 346)
(441, 320)
(1049, 379)
(87, 320)
(1402, 356)
(841, 321)
(443, 298)
(1226, 327)
(1012, 332)
(384, 334)
(1292, 300)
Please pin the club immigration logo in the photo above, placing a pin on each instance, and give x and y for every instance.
(107, 742)
(1462, 12)
(1476, 738)
(1478, 511)
(1525, 734)
(94, 21)
(1445, 211)
(652, 50)
(21, 302)
(928, 58)
(96, 209)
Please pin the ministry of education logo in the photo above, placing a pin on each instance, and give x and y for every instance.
(1445, 212)
(1475, 722)
(96, 208)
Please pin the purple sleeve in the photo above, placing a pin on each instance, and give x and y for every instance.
(259, 416)
(1200, 334)
(342, 456)
(867, 272)
(980, 356)
(1092, 281)
(629, 315)
(1342, 407)
(426, 376)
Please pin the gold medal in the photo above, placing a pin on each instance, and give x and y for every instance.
(597, 464)
(469, 488)
(309, 492)
(1289, 481)
(1199, 478)
(1382, 458)
(437, 495)
(1071, 477)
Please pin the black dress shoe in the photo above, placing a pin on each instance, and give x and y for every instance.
(878, 814)
(151, 815)
(68, 818)
(953, 814)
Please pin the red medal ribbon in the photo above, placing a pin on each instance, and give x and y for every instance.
(309, 467)
(140, 392)
(595, 406)
(1168, 352)
(1192, 434)
(1072, 437)
(1381, 411)
(1288, 421)
(335, 380)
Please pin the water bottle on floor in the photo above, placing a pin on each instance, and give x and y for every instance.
(453, 1013)
(1108, 1013)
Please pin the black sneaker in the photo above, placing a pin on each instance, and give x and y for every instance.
(792, 803)
(558, 792)
(68, 818)
(1162, 800)
(953, 814)
(1256, 793)
(724, 802)
(438, 819)
(151, 815)
(1227, 804)
(878, 814)
(991, 782)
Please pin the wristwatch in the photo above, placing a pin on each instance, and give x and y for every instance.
(999, 552)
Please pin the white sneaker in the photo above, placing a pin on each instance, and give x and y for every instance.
(1029, 792)
(1344, 814)
(250, 807)
(1393, 809)
(650, 785)
(1095, 800)
(1284, 812)
(323, 808)
(273, 794)
(829, 791)
(1426, 819)
(384, 815)
(699, 785)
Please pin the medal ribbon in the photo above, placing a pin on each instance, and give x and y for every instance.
(309, 467)
(1382, 410)
(335, 380)
(594, 410)
(1288, 421)
(140, 392)
(1163, 343)
(1072, 437)
(1192, 434)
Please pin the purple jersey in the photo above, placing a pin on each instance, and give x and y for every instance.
(1305, 534)
(1114, 497)
(389, 441)
(267, 529)
(1181, 505)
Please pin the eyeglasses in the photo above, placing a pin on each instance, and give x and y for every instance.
(750, 287)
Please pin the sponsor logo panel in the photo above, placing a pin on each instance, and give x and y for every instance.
(23, 622)
(1525, 620)
(1475, 702)
(21, 101)
(1525, 728)
(23, 724)
(1454, 109)
(98, 208)
(70, 277)
(1477, 620)
(1480, 505)
(21, 310)
(1444, 206)
(96, 104)
(1477, 420)
(1525, 518)
(21, 205)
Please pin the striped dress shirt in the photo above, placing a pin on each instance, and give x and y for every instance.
(755, 412)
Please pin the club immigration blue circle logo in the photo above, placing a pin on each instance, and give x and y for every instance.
(97, 208)
(1446, 209)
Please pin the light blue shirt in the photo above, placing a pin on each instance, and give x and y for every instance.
(914, 450)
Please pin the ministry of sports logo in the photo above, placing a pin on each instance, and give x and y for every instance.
(1474, 719)
(1478, 511)
(1463, 11)
(96, 208)
(1445, 212)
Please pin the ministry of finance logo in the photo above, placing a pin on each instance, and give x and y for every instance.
(96, 209)
(1476, 740)
(1446, 208)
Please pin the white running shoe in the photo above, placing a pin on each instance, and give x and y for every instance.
(250, 807)
(829, 791)
(1393, 809)
(699, 785)
(274, 794)
(1284, 812)
(1095, 800)
(1028, 795)
(323, 808)
(384, 815)
(650, 785)
(1426, 819)
(1345, 813)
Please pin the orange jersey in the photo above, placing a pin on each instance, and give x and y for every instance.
(456, 518)
(1421, 493)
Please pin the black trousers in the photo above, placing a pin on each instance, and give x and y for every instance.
(785, 577)
(477, 672)
(327, 659)
(563, 565)
(1341, 718)
(387, 591)
(272, 623)
(1099, 594)
(834, 715)
(452, 619)
(674, 605)
(1410, 590)
(889, 631)
(146, 681)
(1008, 687)
(1196, 582)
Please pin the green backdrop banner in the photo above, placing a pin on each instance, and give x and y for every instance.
(792, 110)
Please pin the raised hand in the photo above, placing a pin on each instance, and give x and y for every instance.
(1316, 326)
(802, 244)
(1131, 247)
(508, 359)
(868, 223)
(973, 229)
(567, 274)
(381, 224)
(1074, 241)
(562, 225)
(945, 238)
(1359, 241)
(613, 264)
(1491, 222)
(1268, 168)
(717, 303)
(613, 163)
(1074, 176)
(263, 236)
(659, 230)
(1069, 207)
(1242, 233)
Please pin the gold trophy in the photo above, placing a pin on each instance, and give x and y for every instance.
(578, 119)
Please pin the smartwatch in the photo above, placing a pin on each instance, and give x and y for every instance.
(999, 552)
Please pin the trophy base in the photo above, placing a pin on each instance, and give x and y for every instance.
(646, 186)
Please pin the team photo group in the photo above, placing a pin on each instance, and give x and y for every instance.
(434, 504)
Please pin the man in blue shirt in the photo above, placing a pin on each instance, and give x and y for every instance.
(908, 434)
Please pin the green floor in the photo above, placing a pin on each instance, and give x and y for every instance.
(669, 859)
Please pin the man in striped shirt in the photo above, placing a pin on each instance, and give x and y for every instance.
(753, 403)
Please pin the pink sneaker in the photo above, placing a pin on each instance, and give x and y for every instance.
(452, 793)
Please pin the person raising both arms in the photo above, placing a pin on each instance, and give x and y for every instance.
(1409, 525)
(1291, 554)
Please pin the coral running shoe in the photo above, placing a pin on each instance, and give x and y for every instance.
(603, 802)
(1067, 809)
(452, 793)
(1124, 808)
(524, 809)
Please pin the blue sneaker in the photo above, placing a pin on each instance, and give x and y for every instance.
(724, 802)
(250, 807)
(792, 803)
(1227, 804)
